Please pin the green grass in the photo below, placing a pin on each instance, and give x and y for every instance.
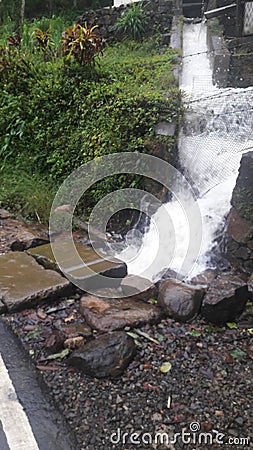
(28, 195)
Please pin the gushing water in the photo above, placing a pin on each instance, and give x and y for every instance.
(218, 128)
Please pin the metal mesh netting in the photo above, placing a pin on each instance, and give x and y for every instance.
(248, 18)
(218, 125)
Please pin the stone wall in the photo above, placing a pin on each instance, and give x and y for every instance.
(241, 70)
(159, 15)
(240, 218)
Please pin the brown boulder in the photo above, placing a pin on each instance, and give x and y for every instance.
(179, 300)
(117, 313)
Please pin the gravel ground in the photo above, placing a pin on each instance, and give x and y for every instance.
(207, 392)
(208, 388)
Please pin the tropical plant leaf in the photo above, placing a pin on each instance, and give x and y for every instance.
(60, 355)
(145, 335)
(238, 354)
(232, 325)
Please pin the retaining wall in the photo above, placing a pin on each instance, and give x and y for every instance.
(159, 14)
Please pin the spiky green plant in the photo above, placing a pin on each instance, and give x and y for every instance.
(133, 23)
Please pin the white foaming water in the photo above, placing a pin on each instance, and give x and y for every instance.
(218, 128)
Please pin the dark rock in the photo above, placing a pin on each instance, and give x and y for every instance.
(243, 253)
(106, 356)
(242, 197)
(205, 277)
(250, 244)
(165, 128)
(250, 287)
(117, 313)
(239, 421)
(248, 266)
(2, 307)
(54, 341)
(141, 288)
(238, 228)
(179, 300)
(246, 318)
(225, 299)
(25, 239)
(168, 273)
(232, 246)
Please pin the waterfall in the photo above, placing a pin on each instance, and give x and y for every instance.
(217, 129)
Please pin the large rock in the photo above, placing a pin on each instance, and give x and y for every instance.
(117, 313)
(225, 299)
(242, 198)
(89, 272)
(240, 219)
(238, 228)
(179, 300)
(24, 283)
(26, 238)
(106, 356)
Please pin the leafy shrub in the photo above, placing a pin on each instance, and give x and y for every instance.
(43, 38)
(56, 116)
(133, 22)
(82, 43)
(28, 194)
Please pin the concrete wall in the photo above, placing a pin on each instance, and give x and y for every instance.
(232, 59)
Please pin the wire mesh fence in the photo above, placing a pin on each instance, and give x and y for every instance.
(248, 18)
